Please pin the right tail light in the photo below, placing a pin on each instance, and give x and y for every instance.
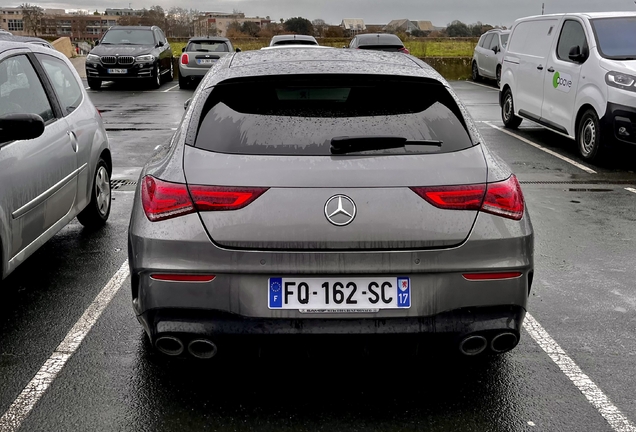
(501, 198)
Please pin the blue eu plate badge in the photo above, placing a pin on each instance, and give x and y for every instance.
(404, 293)
(276, 292)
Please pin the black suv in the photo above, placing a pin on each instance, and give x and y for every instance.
(129, 52)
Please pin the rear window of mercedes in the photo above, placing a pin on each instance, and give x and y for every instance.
(306, 116)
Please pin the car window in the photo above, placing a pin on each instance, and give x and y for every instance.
(128, 37)
(494, 42)
(21, 91)
(282, 118)
(572, 35)
(504, 40)
(158, 36)
(482, 39)
(64, 82)
(352, 43)
(162, 36)
(207, 46)
(488, 40)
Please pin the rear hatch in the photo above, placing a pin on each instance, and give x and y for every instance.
(336, 158)
(204, 53)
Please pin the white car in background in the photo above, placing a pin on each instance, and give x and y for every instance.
(488, 55)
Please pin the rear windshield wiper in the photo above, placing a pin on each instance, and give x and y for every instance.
(343, 145)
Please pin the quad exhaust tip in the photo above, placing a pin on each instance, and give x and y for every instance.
(473, 345)
(202, 349)
(169, 345)
(504, 342)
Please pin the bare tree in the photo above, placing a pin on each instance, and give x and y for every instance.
(320, 27)
(32, 17)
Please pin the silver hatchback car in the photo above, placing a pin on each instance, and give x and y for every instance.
(328, 192)
(55, 161)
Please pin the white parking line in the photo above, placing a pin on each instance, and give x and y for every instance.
(631, 190)
(535, 145)
(31, 394)
(591, 391)
(166, 91)
(484, 86)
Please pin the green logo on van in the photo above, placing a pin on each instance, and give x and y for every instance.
(562, 82)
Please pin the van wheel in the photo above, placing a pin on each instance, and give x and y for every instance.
(588, 136)
(476, 76)
(498, 76)
(510, 120)
(97, 211)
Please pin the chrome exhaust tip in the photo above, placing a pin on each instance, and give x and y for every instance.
(169, 345)
(504, 342)
(202, 349)
(473, 345)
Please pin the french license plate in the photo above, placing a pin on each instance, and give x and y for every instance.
(117, 71)
(327, 295)
(205, 61)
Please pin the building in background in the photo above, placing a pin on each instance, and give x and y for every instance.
(11, 20)
(353, 26)
(77, 27)
(217, 23)
(124, 12)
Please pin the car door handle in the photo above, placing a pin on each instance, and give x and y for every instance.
(540, 67)
(551, 69)
(73, 138)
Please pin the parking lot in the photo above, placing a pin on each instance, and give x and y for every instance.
(66, 318)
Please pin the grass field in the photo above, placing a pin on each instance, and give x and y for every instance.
(418, 47)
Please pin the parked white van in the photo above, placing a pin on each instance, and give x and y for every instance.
(574, 74)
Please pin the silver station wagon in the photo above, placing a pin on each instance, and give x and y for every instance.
(55, 162)
(328, 192)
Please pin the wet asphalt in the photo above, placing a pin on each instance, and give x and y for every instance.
(583, 294)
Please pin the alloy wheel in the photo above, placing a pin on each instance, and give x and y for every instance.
(102, 191)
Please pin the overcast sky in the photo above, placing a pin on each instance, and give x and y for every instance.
(440, 12)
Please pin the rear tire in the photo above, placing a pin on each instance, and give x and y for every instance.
(588, 136)
(476, 77)
(94, 84)
(183, 82)
(96, 213)
(510, 120)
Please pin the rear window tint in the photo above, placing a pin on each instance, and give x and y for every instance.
(207, 46)
(290, 117)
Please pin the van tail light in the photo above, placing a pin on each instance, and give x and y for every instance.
(185, 59)
(163, 200)
(404, 50)
(502, 198)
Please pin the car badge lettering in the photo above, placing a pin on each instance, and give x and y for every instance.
(340, 210)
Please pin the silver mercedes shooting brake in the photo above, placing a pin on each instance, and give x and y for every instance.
(329, 192)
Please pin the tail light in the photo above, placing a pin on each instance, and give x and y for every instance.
(502, 198)
(491, 276)
(99, 112)
(185, 59)
(182, 277)
(165, 200)
(404, 50)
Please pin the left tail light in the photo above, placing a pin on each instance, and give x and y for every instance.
(404, 50)
(163, 200)
(501, 198)
(185, 59)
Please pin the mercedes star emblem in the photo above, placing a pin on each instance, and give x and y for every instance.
(340, 210)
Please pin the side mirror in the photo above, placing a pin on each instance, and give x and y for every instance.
(20, 127)
(237, 50)
(183, 49)
(495, 50)
(577, 55)
(160, 44)
(187, 104)
(96, 43)
(344, 46)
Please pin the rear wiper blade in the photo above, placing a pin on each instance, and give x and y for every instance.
(342, 145)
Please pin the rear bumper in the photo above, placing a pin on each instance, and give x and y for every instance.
(192, 72)
(134, 71)
(214, 323)
(619, 123)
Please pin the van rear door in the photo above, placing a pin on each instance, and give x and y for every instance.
(530, 44)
